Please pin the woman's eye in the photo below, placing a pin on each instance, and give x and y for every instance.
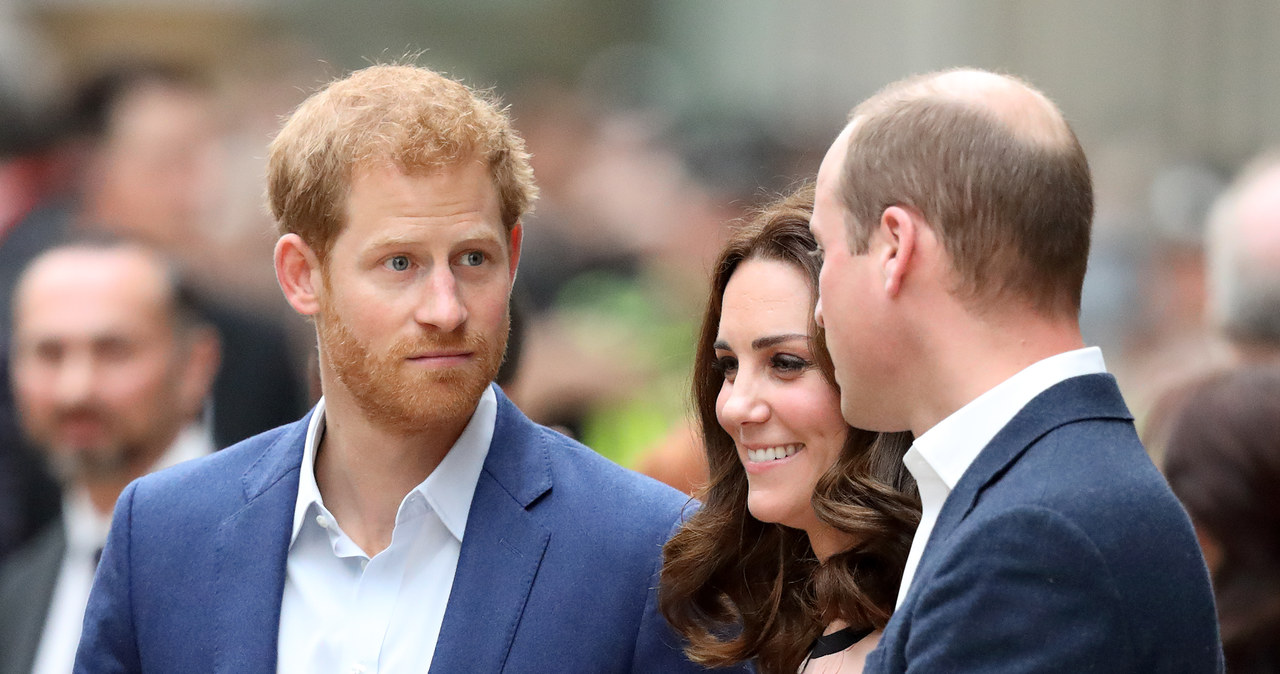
(398, 263)
(785, 362)
(473, 259)
(725, 366)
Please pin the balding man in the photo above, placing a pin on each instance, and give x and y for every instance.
(110, 370)
(954, 211)
(1244, 262)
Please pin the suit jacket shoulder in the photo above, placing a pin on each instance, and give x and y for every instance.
(1060, 549)
(193, 571)
(27, 582)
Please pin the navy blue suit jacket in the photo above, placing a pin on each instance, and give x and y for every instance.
(1061, 549)
(557, 571)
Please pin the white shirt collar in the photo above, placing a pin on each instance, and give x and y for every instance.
(942, 454)
(87, 530)
(952, 445)
(448, 489)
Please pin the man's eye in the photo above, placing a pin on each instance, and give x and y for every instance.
(398, 263)
(473, 259)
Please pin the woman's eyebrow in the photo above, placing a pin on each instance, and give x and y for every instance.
(773, 340)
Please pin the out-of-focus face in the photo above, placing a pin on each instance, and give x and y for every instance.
(413, 316)
(158, 173)
(783, 415)
(845, 288)
(96, 361)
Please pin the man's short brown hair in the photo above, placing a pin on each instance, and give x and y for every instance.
(408, 116)
(1012, 202)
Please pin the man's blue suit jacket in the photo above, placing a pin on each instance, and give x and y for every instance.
(1061, 549)
(557, 572)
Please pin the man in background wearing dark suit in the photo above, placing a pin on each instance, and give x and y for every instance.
(954, 212)
(110, 367)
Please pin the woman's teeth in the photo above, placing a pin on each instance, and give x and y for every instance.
(772, 453)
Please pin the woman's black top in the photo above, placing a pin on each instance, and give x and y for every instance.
(837, 641)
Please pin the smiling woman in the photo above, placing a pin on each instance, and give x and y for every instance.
(806, 521)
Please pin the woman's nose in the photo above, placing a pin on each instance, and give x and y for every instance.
(746, 403)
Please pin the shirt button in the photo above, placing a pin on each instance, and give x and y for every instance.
(322, 521)
(358, 669)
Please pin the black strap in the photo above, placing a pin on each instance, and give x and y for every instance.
(837, 641)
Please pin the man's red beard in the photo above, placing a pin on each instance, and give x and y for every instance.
(395, 394)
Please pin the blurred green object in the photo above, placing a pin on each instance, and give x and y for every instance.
(644, 331)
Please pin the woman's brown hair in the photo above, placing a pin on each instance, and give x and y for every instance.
(737, 588)
(1222, 460)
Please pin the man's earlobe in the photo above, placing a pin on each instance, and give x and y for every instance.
(298, 272)
(203, 359)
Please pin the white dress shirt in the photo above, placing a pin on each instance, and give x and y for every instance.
(942, 454)
(86, 532)
(345, 612)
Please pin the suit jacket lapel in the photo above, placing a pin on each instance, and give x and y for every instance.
(502, 549)
(251, 549)
(1085, 397)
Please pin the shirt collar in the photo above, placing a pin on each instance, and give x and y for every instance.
(87, 530)
(952, 445)
(448, 489)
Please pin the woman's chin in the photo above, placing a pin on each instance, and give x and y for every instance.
(768, 510)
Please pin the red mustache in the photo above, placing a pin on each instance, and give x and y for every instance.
(462, 343)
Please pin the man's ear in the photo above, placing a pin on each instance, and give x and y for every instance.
(298, 272)
(900, 230)
(515, 240)
(203, 357)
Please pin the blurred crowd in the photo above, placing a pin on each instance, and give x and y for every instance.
(633, 206)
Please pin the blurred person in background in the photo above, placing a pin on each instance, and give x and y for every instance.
(28, 494)
(1244, 263)
(141, 140)
(794, 560)
(954, 212)
(612, 272)
(1222, 458)
(415, 520)
(152, 165)
(111, 366)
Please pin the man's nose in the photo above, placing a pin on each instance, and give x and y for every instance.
(441, 305)
(817, 312)
(74, 380)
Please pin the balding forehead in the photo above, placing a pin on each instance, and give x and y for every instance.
(1258, 217)
(88, 270)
